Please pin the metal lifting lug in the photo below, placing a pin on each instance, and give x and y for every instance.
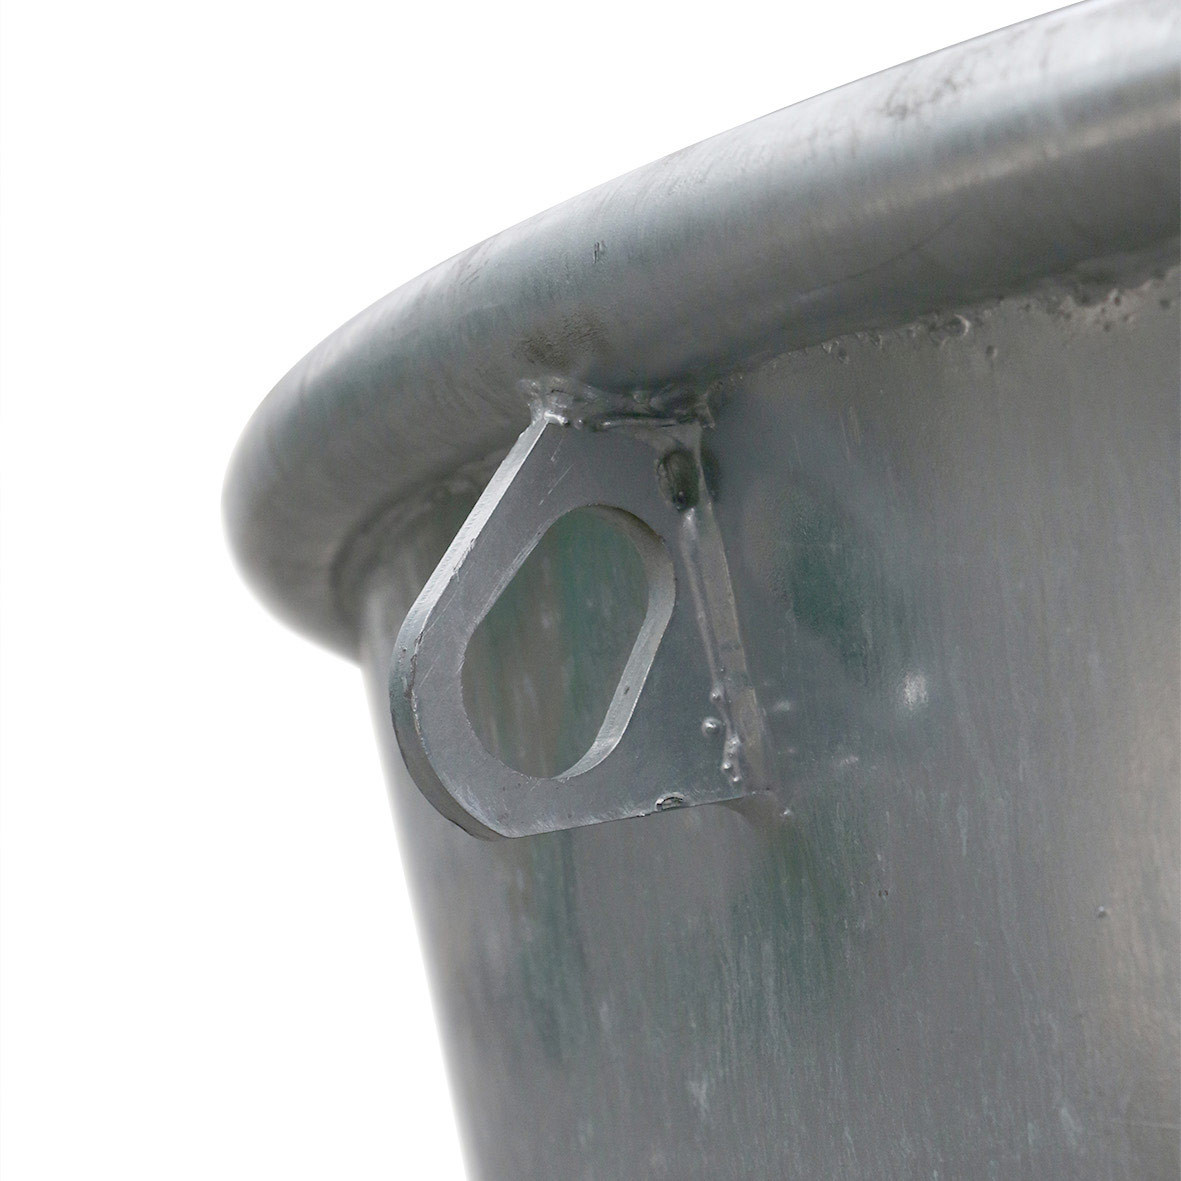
(684, 725)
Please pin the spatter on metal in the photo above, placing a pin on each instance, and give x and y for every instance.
(671, 420)
(572, 403)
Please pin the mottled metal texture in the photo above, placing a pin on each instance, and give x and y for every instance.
(936, 315)
(955, 553)
(950, 178)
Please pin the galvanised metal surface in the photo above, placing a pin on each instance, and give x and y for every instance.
(935, 318)
(955, 551)
(954, 177)
(683, 724)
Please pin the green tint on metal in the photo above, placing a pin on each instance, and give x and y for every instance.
(543, 664)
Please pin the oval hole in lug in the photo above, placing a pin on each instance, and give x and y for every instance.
(553, 670)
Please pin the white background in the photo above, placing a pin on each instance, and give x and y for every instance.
(208, 963)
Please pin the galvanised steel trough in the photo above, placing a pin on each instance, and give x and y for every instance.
(766, 566)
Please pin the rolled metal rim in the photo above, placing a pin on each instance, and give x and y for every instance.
(1026, 153)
